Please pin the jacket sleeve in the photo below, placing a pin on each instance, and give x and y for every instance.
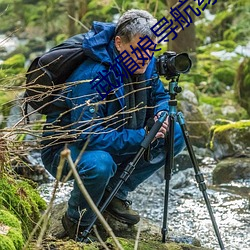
(88, 120)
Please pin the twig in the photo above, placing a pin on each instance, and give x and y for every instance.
(66, 154)
(99, 238)
(77, 21)
(137, 236)
(45, 217)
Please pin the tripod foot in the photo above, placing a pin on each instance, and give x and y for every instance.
(164, 232)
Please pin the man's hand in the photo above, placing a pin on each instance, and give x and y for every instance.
(164, 128)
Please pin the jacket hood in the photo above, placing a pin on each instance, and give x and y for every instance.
(98, 42)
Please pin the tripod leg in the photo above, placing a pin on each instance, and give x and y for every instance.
(129, 168)
(168, 173)
(199, 177)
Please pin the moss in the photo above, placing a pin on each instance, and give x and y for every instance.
(13, 239)
(22, 200)
(242, 84)
(228, 45)
(13, 71)
(219, 103)
(16, 61)
(224, 75)
(6, 243)
(212, 100)
(10, 220)
(128, 244)
(221, 132)
(16, 237)
(236, 125)
(220, 24)
(234, 34)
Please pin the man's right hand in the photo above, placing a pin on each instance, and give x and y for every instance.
(164, 128)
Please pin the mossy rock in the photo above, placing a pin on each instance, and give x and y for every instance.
(225, 75)
(242, 85)
(10, 231)
(232, 139)
(220, 24)
(219, 107)
(128, 244)
(231, 169)
(22, 200)
(150, 235)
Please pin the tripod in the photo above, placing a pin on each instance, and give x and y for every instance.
(129, 169)
(169, 163)
(173, 90)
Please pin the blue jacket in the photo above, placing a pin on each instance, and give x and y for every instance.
(90, 117)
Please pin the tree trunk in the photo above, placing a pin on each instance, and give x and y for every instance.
(83, 7)
(185, 41)
(72, 14)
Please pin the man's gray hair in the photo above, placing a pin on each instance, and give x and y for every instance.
(135, 22)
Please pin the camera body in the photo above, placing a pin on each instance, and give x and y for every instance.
(171, 65)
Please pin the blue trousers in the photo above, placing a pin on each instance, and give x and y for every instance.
(100, 170)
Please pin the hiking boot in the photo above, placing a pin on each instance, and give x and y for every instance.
(121, 211)
(75, 231)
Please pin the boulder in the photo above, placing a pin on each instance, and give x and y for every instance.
(197, 125)
(150, 235)
(231, 169)
(232, 139)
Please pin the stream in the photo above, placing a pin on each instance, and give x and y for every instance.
(187, 212)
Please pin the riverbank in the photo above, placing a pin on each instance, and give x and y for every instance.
(188, 215)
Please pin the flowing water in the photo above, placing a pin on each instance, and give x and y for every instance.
(187, 212)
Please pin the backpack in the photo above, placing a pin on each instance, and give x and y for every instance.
(47, 74)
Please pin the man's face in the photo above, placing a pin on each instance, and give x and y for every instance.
(122, 46)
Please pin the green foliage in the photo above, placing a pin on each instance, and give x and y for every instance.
(16, 61)
(219, 102)
(13, 66)
(214, 101)
(21, 199)
(230, 22)
(13, 239)
(242, 84)
(224, 75)
(6, 243)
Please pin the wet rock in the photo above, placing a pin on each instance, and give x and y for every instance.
(231, 139)
(31, 167)
(197, 125)
(181, 179)
(231, 169)
(149, 238)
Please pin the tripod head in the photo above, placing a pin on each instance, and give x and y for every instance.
(174, 89)
(171, 65)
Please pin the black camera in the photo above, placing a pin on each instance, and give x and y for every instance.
(171, 65)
